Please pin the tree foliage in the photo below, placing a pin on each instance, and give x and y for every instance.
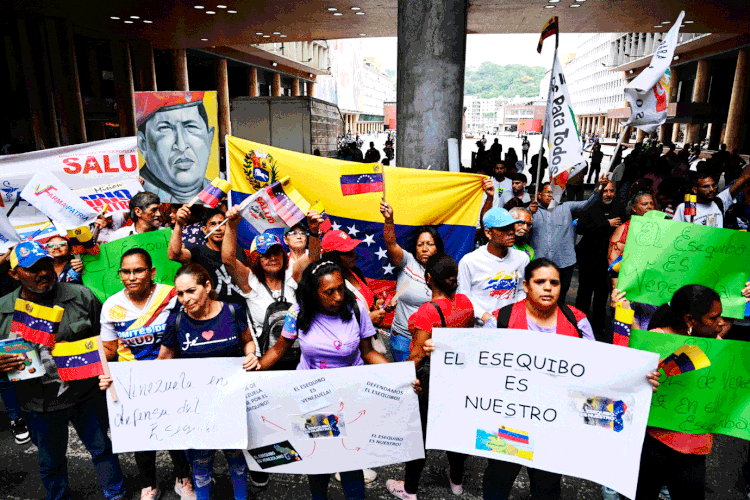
(492, 80)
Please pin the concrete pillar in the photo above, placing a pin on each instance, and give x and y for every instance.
(700, 94)
(737, 104)
(222, 87)
(67, 86)
(311, 89)
(36, 73)
(675, 132)
(626, 133)
(295, 87)
(145, 67)
(179, 67)
(276, 85)
(252, 81)
(663, 132)
(430, 80)
(640, 136)
(124, 90)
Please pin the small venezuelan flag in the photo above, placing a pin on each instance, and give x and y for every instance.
(36, 323)
(685, 359)
(290, 206)
(78, 360)
(690, 204)
(551, 28)
(622, 326)
(214, 192)
(360, 179)
(513, 435)
(325, 226)
(82, 241)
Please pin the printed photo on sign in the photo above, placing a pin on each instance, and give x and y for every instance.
(274, 455)
(177, 143)
(319, 425)
(507, 441)
(608, 413)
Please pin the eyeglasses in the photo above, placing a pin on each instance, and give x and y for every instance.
(296, 233)
(529, 224)
(59, 244)
(139, 271)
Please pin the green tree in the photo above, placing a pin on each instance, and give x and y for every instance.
(493, 80)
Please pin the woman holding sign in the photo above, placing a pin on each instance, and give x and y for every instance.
(208, 328)
(133, 323)
(334, 330)
(674, 458)
(411, 284)
(447, 309)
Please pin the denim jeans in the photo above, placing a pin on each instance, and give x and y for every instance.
(8, 395)
(49, 432)
(399, 347)
(352, 482)
(203, 466)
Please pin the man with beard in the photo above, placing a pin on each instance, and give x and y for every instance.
(711, 207)
(517, 196)
(50, 404)
(553, 236)
(595, 226)
(174, 139)
(501, 185)
(523, 230)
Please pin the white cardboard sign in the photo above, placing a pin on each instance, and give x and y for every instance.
(322, 421)
(550, 402)
(178, 404)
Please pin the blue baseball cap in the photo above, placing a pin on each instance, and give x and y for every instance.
(498, 217)
(263, 243)
(27, 254)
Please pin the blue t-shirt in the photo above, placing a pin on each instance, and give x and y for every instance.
(217, 337)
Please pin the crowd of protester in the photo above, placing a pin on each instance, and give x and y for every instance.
(282, 303)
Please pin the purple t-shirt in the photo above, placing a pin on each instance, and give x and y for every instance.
(583, 325)
(329, 342)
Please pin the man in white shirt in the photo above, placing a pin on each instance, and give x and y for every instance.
(144, 212)
(492, 275)
(711, 207)
(501, 185)
(518, 191)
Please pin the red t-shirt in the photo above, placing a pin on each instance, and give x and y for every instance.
(459, 313)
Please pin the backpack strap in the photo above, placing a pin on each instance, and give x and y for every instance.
(271, 293)
(719, 204)
(570, 316)
(503, 316)
(440, 313)
(357, 314)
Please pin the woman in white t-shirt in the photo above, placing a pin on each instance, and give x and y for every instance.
(411, 282)
(133, 323)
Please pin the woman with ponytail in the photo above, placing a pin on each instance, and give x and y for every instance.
(447, 309)
(678, 459)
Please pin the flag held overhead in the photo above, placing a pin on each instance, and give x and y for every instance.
(551, 28)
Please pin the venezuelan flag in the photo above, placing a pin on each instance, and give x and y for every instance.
(361, 178)
(214, 192)
(551, 28)
(78, 360)
(447, 200)
(82, 241)
(513, 435)
(36, 323)
(614, 267)
(622, 326)
(288, 203)
(685, 359)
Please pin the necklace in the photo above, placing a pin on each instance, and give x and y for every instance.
(153, 287)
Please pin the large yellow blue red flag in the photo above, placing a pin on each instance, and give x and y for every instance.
(450, 201)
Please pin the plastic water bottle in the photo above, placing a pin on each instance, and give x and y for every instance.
(609, 494)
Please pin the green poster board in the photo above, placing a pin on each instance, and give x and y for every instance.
(662, 255)
(712, 400)
(101, 270)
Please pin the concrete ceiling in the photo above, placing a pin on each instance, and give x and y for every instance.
(178, 24)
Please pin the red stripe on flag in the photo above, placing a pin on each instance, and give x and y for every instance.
(33, 335)
(369, 187)
(81, 372)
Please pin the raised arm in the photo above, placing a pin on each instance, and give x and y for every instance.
(176, 250)
(238, 271)
(741, 181)
(395, 252)
(313, 245)
(489, 190)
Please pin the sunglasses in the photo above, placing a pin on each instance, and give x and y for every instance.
(59, 244)
(139, 271)
(296, 233)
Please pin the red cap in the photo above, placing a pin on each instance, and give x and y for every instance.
(148, 103)
(338, 240)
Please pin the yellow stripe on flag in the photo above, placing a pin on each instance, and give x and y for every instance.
(696, 355)
(53, 314)
(77, 347)
(624, 315)
(360, 169)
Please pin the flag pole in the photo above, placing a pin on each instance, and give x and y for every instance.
(105, 367)
(617, 148)
(546, 125)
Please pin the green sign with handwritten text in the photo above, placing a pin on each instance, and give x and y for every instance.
(662, 255)
(101, 270)
(712, 400)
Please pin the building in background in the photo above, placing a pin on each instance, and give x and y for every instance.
(481, 114)
(526, 116)
(389, 110)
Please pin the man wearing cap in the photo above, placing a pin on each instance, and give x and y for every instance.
(554, 235)
(51, 404)
(492, 275)
(175, 139)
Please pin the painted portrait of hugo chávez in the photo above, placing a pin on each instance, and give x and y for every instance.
(176, 141)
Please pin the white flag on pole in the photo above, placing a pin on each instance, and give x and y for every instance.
(8, 235)
(563, 141)
(55, 200)
(648, 93)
